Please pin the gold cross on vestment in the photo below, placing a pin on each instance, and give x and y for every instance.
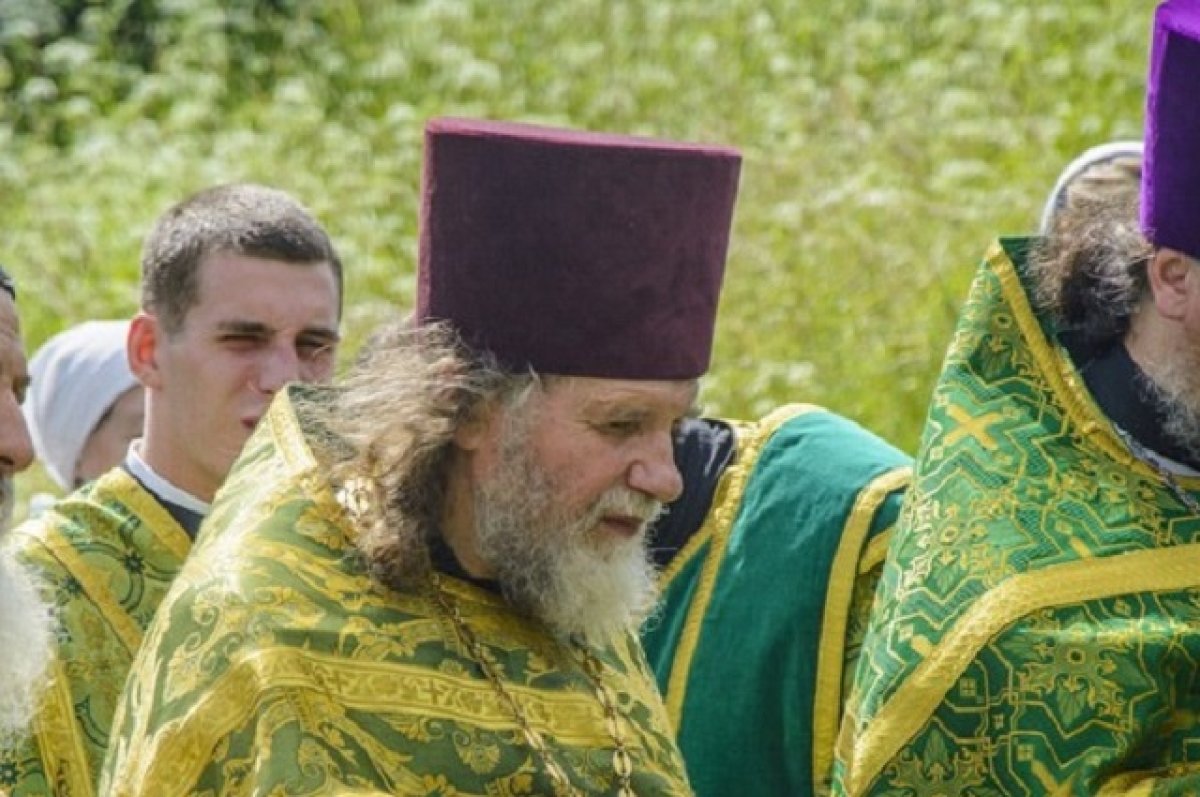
(971, 426)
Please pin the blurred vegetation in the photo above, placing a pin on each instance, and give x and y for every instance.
(886, 143)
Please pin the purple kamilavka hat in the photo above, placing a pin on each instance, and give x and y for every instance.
(575, 253)
(1171, 167)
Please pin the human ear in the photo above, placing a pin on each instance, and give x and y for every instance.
(141, 347)
(1172, 281)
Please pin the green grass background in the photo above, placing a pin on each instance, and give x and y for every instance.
(886, 142)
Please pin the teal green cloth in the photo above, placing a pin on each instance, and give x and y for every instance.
(762, 607)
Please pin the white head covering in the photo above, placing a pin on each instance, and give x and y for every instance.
(1096, 156)
(76, 376)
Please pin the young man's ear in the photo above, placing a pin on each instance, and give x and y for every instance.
(141, 347)
(1172, 281)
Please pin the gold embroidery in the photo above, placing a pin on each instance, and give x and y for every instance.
(827, 698)
(1060, 373)
(64, 758)
(910, 707)
(974, 426)
(876, 550)
(153, 517)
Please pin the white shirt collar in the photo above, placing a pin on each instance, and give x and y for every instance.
(160, 486)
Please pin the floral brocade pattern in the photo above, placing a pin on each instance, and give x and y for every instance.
(278, 665)
(105, 556)
(1037, 629)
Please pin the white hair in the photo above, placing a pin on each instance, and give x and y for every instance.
(26, 636)
(545, 558)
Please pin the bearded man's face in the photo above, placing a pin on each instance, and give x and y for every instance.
(571, 482)
(1173, 364)
(25, 621)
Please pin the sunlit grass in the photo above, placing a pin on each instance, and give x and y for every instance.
(886, 142)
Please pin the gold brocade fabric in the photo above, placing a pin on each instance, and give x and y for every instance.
(278, 665)
(1037, 628)
(106, 555)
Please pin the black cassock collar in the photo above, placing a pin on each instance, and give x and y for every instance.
(1124, 392)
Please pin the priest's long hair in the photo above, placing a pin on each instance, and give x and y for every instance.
(1090, 274)
(398, 411)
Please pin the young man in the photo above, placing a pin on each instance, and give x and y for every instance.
(1037, 626)
(430, 582)
(241, 294)
(25, 620)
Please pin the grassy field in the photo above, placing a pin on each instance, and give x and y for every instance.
(886, 142)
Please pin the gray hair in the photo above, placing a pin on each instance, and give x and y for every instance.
(395, 417)
(1090, 274)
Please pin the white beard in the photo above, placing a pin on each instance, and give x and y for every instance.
(25, 640)
(547, 561)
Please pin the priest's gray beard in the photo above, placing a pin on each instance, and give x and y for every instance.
(1175, 384)
(25, 636)
(549, 561)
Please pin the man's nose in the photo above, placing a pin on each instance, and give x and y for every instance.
(654, 473)
(279, 365)
(16, 447)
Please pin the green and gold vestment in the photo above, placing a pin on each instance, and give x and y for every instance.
(106, 555)
(279, 665)
(763, 607)
(1037, 629)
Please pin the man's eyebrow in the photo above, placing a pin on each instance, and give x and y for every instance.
(259, 329)
(237, 327)
(324, 333)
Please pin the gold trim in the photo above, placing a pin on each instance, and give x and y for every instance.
(692, 548)
(831, 652)
(288, 435)
(913, 703)
(1132, 784)
(718, 526)
(1061, 375)
(56, 732)
(876, 551)
(154, 518)
(179, 754)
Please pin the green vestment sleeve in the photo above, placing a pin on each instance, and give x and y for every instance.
(105, 556)
(761, 609)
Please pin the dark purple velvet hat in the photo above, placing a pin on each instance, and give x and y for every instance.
(1171, 167)
(575, 253)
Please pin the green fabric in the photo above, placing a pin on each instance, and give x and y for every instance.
(748, 692)
(1036, 627)
(106, 555)
(278, 665)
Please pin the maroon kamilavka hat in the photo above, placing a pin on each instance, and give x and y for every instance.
(1171, 168)
(575, 253)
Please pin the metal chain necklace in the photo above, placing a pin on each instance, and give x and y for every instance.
(1156, 464)
(622, 762)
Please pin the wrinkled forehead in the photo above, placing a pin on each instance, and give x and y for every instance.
(670, 396)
